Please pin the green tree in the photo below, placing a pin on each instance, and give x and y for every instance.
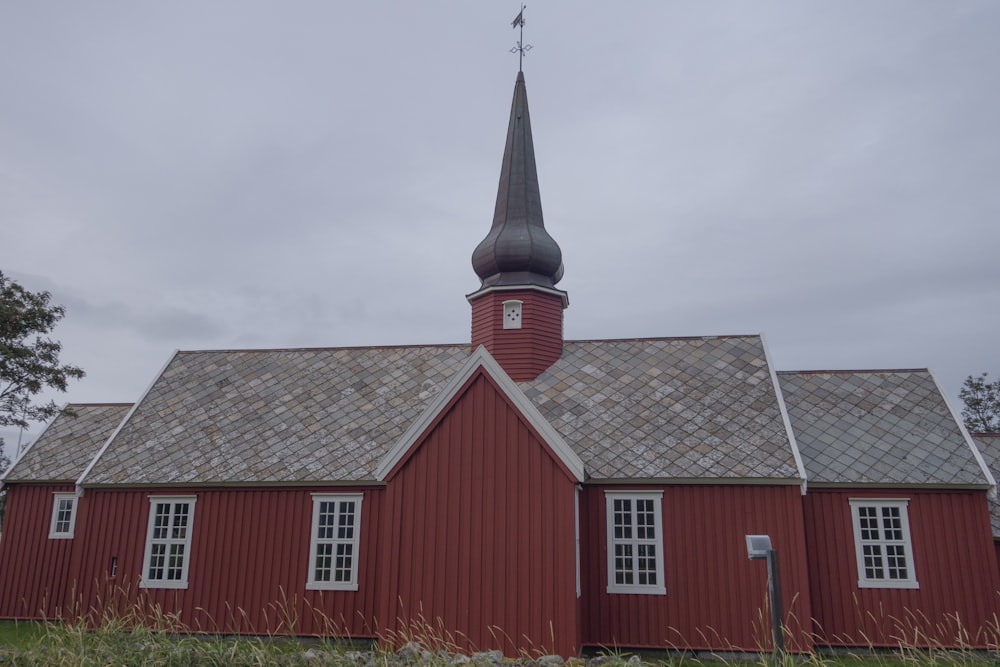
(981, 413)
(29, 359)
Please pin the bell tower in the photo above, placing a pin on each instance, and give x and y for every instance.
(517, 312)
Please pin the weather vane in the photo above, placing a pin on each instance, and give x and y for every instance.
(521, 47)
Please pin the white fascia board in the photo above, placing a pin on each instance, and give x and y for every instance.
(992, 493)
(519, 288)
(121, 424)
(481, 358)
(784, 416)
(27, 449)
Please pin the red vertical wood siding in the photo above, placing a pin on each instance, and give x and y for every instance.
(954, 561)
(716, 597)
(32, 567)
(526, 352)
(478, 532)
(248, 567)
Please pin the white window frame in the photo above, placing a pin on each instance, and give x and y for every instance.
(512, 313)
(881, 544)
(352, 541)
(58, 500)
(635, 542)
(169, 542)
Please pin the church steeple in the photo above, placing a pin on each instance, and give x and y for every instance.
(517, 311)
(518, 250)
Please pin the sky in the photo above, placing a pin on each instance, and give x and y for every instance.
(249, 174)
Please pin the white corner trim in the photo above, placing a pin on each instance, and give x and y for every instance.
(481, 358)
(121, 424)
(27, 449)
(992, 493)
(784, 415)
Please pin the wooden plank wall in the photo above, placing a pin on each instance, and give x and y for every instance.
(478, 534)
(523, 353)
(32, 567)
(248, 567)
(716, 597)
(955, 561)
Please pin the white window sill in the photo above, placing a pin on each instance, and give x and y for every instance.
(876, 583)
(636, 590)
(331, 586)
(145, 583)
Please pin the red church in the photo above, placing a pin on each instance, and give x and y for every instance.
(520, 492)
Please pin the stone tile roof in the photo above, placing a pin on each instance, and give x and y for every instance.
(877, 427)
(63, 450)
(668, 408)
(656, 408)
(275, 415)
(989, 446)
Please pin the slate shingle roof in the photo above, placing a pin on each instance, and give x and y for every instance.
(652, 408)
(61, 452)
(989, 446)
(668, 408)
(877, 427)
(275, 415)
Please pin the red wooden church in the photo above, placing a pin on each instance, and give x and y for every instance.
(523, 492)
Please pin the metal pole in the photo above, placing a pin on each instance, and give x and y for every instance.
(774, 591)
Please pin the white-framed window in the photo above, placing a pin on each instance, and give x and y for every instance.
(63, 516)
(882, 543)
(333, 546)
(168, 542)
(512, 314)
(635, 542)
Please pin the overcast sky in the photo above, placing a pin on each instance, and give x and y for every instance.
(202, 175)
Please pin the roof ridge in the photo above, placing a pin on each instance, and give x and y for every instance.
(856, 371)
(662, 338)
(323, 349)
(100, 404)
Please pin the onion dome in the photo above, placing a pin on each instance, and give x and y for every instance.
(518, 250)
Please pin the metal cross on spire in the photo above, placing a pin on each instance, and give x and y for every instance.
(521, 48)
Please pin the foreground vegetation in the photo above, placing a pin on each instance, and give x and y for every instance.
(30, 644)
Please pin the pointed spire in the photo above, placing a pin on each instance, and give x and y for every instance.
(518, 250)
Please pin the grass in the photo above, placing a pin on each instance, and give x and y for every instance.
(120, 643)
(20, 635)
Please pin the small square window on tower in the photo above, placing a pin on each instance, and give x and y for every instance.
(512, 314)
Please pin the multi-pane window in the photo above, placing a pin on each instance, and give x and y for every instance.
(168, 542)
(333, 548)
(635, 542)
(63, 516)
(882, 544)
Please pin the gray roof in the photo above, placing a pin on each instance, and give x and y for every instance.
(652, 408)
(877, 427)
(674, 408)
(989, 446)
(63, 450)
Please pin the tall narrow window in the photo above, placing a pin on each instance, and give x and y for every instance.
(635, 542)
(882, 543)
(63, 516)
(333, 549)
(168, 542)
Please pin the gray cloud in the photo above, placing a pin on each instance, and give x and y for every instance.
(252, 174)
